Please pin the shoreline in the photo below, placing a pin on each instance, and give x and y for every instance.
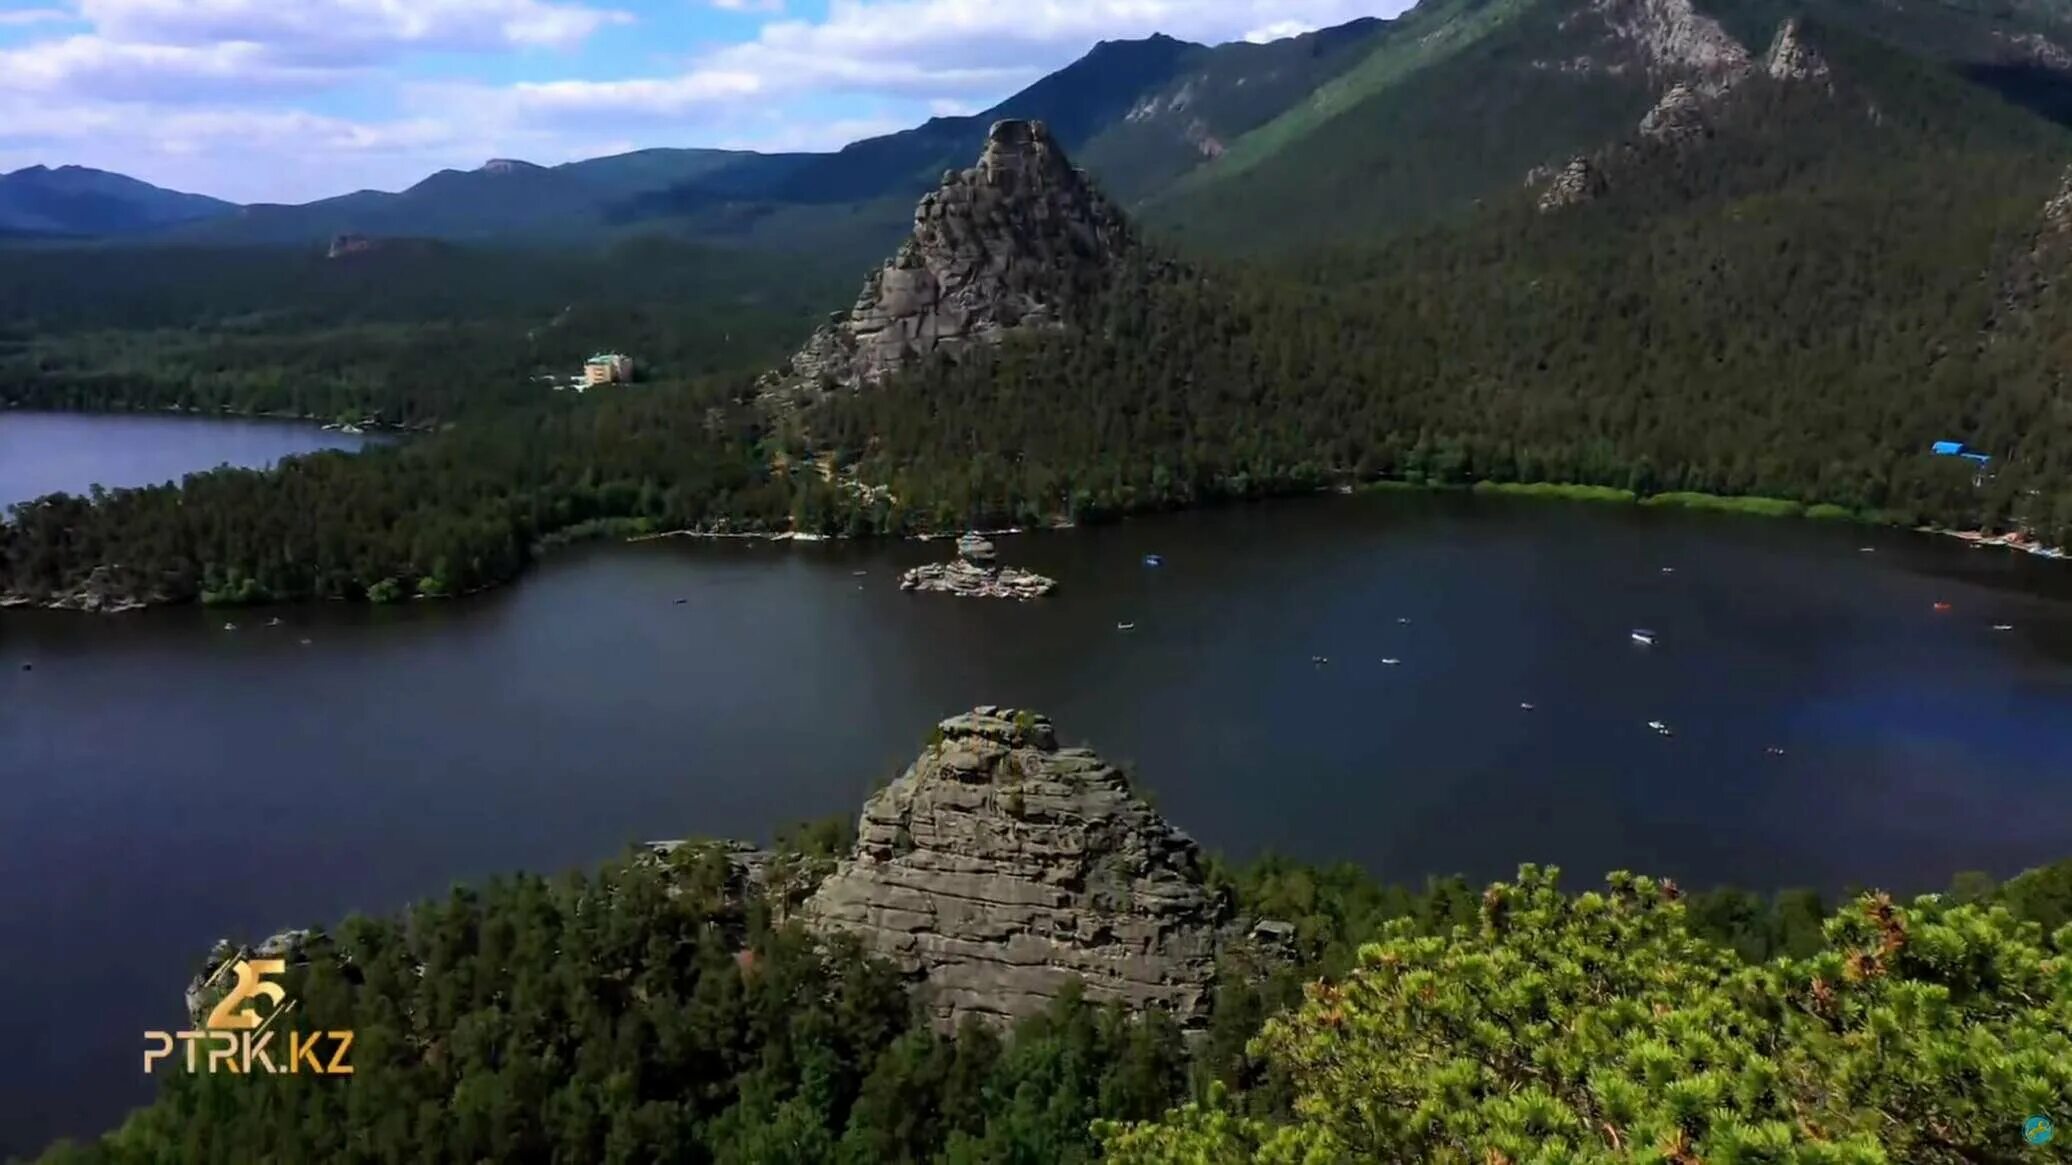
(1753, 505)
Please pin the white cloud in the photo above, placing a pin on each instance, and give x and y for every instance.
(350, 30)
(199, 94)
(22, 17)
(1280, 30)
(92, 67)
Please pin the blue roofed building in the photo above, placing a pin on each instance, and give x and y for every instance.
(1947, 448)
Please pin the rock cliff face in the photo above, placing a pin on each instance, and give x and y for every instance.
(1014, 242)
(1791, 59)
(1574, 184)
(1678, 117)
(1000, 867)
(1675, 40)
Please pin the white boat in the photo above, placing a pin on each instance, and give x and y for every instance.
(1391, 661)
(1644, 637)
(1527, 707)
(1125, 626)
(1657, 725)
(1668, 570)
(1404, 622)
(230, 626)
(1320, 659)
(274, 622)
(2003, 626)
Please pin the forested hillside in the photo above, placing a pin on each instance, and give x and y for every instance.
(643, 1013)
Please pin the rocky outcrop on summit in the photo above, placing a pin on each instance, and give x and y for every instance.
(1576, 183)
(1000, 868)
(1678, 117)
(1015, 242)
(1790, 58)
(1674, 39)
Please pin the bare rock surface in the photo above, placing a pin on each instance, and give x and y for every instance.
(1674, 39)
(1790, 58)
(976, 573)
(1014, 242)
(999, 868)
(1574, 184)
(1678, 117)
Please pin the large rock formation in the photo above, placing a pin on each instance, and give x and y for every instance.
(1791, 59)
(1678, 117)
(1675, 40)
(1000, 867)
(1574, 184)
(1014, 242)
(976, 573)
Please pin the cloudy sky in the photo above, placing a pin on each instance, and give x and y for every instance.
(286, 100)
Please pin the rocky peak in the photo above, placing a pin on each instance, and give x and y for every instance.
(1790, 58)
(1678, 117)
(1578, 182)
(1000, 867)
(507, 166)
(1015, 242)
(1674, 39)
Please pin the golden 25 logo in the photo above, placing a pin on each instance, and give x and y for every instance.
(237, 1037)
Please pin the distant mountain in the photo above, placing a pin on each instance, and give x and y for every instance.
(503, 197)
(77, 201)
(1146, 110)
(1458, 99)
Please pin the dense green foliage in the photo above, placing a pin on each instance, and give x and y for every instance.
(1784, 311)
(651, 1012)
(1787, 310)
(411, 334)
(1597, 1028)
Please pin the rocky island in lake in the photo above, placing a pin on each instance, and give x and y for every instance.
(976, 572)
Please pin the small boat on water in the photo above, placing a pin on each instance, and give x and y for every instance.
(1643, 636)
(1657, 725)
(1154, 560)
(1125, 626)
(1773, 750)
(1391, 661)
(680, 602)
(2003, 626)
(1320, 660)
(1942, 608)
(1668, 570)
(1404, 622)
(274, 622)
(1866, 550)
(858, 573)
(1525, 706)
(305, 643)
(230, 626)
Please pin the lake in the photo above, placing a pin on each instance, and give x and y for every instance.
(169, 782)
(44, 453)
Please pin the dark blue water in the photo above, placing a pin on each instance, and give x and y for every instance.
(44, 453)
(168, 782)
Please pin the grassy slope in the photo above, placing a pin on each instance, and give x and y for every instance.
(1453, 107)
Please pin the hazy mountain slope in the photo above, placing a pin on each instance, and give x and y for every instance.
(1460, 97)
(503, 197)
(1457, 100)
(1217, 95)
(76, 200)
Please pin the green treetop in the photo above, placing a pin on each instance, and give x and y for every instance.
(1597, 1028)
